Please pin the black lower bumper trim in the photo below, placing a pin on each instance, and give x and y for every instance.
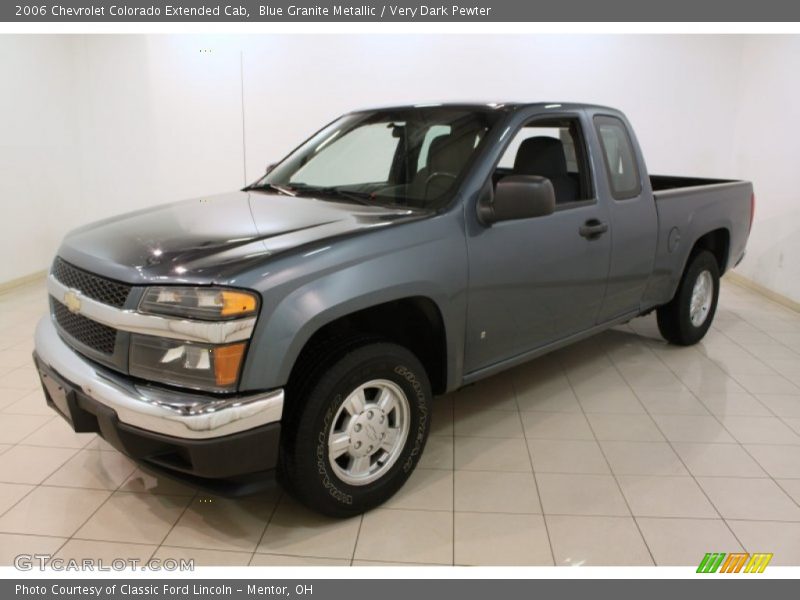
(234, 464)
(232, 487)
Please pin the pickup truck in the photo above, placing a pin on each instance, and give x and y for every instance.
(300, 327)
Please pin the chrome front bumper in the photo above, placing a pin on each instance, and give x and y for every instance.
(177, 414)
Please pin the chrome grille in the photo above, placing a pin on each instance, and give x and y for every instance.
(93, 286)
(96, 336)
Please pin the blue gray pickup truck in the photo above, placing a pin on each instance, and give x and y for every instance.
(300, 327)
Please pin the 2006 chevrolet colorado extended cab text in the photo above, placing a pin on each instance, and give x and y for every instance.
(302, 325)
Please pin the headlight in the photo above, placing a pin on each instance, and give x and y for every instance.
(202, 303)
(205, 367)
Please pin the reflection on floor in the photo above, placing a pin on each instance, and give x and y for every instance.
(620, 450)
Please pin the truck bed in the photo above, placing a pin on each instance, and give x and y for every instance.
(659, 183)
(689, 207)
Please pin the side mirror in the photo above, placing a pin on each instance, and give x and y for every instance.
(269, 168)
(518, 197)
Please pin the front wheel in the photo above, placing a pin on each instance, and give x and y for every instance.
(358, 430)
(687, 317)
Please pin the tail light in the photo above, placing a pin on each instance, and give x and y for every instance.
(752, 212)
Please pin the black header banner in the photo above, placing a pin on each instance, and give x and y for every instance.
(455, 11)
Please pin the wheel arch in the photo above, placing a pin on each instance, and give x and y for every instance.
(414, 322)
(718, 243)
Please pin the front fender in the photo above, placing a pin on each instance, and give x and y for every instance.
(434, 267)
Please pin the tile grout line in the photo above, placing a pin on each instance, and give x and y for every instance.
(691, 474)
(19, 442)
(781, 344)
(59, 467)
(99, 506)
(166, 535)
(358, 533)
(767, 333)
(37, 485)
(577, 439)
(533, 468)
(755, 395)
(560, 514)
(605, 457)
(453, 440)
(656, 475)
(741, 444)
(775, 373)
(783, 489)
(745, 449)
(280, 496)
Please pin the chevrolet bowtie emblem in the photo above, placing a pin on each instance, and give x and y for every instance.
(72, 302)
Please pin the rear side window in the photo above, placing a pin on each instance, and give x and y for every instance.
(623, 172)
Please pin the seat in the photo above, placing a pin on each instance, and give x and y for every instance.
(447, 156)
(544, 156)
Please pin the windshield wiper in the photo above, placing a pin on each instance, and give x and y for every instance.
(286, 191)
(364, 198)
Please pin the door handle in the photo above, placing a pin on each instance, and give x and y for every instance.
(593, 229)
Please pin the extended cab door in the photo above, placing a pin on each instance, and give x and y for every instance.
(534, 281)
(632, 214)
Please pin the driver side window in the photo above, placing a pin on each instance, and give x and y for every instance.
(443, 155)
(551, 148)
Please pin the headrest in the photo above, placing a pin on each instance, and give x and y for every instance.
(541, 156)
(449, 153)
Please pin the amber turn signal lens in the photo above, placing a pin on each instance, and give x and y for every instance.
(227, 360)
(237, 303)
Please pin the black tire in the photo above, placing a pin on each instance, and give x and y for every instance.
(305, 469)
(674, 318)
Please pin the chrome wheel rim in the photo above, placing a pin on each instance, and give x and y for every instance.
(369, 432)
(702, 295)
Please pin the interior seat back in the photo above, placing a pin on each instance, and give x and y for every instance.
(544, 156)
(447, 156)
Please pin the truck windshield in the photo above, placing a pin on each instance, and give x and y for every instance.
(411, 157)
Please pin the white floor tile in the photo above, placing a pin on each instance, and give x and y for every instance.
(583, 541)
(684, 542)
(581, 495)
(750, 499)
(408, 536)
(621, 423)
(500, 539)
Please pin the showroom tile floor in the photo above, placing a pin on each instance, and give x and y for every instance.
(620, 450)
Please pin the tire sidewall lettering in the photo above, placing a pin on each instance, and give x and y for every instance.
(328, 480)
(422, 406)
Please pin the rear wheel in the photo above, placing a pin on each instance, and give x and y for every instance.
(358, 429)
(687, 317)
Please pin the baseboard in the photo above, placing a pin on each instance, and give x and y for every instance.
(743, 281)
(7, 286)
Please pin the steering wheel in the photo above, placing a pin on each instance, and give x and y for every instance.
(435, 175)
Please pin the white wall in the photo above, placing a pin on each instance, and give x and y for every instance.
(146, 119)
(92, 126)
(159, 120)
(677, 90)
(38, 147)
(765, 151)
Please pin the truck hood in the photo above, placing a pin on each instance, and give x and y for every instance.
(210, 239)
